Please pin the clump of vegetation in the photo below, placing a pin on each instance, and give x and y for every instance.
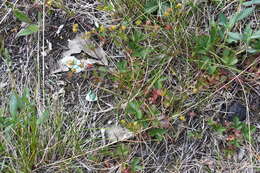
(169, 66)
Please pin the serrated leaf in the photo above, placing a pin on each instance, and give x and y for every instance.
(29, 30)
(253, 2)
(22, 16)
(13, 105)
(255, 35)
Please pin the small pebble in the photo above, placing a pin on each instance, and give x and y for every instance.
(236, 110)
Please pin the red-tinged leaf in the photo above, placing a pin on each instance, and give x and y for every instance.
(148, 22)
(192, 114)
(168, 27)
(126, 170)
(155, 95)
(237, 133)
(230, 138)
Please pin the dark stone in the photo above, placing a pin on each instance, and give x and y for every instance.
(236, 110)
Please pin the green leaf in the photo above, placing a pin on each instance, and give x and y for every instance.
(202, 44)
(122, 150)
(250, 50)
(253, 2)
(255, 35)
(151, 6)
(229, 60)
(239, 16)
(247, 33)
(206, 63)
(13, 105)
(135, 165)
(218, 127)
(235, 36)
(157, 132)
(141, 52)
(214, 34)
(122, 66)
(138, 36)
(28, 30)
(22, 16)
(162, 8)
(245, 13)
(159, 83)
(212, 69)
(43, 117)
(23, 101)
(223, 19)
(134, 108)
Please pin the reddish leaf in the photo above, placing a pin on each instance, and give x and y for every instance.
(192, 114)
(230, 138)
(155, 95)
(237, 133)
(148, 22)
(168, 27)
(126, 170)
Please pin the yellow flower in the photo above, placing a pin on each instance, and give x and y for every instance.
(179, 5)
(93, 31)
(87, 35)
(182, 118)
(166, 13)
(122, 28)
(102, 28)
(138, 22)
(112, 28)
(123, 122)
(75, 27)
(49, 2)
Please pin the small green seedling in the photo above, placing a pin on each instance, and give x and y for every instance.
(158, 133)
(135, 165)
(30, 29)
